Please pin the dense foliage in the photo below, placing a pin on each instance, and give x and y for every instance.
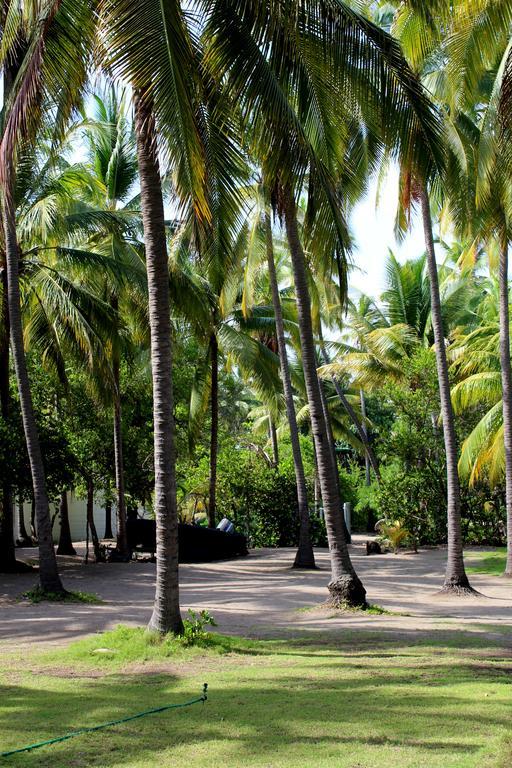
(177, 330)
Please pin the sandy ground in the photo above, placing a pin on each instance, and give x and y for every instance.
(260, 596)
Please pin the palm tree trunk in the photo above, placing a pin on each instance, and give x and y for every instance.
(7, 550)
(91, 525)
(48, 572)
(273, 439)
(506, 385)
(65, 546)
(361, 432)
(305, 557)
(121, 536)
(332, 445)
(8, 563)
(368, 478)
(317, 492)
(24, 538)
(214, 430)
(345, 586)
(456, 579)
(108, 520)
(166, 616)
(33, 529)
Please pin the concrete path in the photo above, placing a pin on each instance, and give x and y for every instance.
(261, 596)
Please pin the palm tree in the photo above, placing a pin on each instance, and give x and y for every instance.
(247, 51)
(67, 315)
(305, 557)
(477, 82)
(492, 196)
(37, 93)
(415, 184)
(166, 615)
(113, 164)
(345, 586)
(455, 579)
(8, 560)
(476, 365)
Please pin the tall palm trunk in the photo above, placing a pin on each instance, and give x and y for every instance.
(345, 586)
(121, 535)
(24, 538)
(361, 431)
(368, 478)
(108, 520)
(273, 440)
(166, 615)
(65, 546)
(91, 525)
(317, 492)
(48, 573)
(214, 430)
(305, 557)
(455, 576)
(334, 460)
(33, 528)
(506, 385)
(7, 551)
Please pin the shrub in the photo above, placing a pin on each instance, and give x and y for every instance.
(260, 500)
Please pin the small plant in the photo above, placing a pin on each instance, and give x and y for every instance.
(377, 610)
(395, 535)
(194, 627)
(38, 595)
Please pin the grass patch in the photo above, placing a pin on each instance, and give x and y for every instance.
(340, 701)
(377, 610)
(126, 645)
(370, 608)
(492, 563)
(38, 595)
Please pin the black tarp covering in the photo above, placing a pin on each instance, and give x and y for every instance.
(196, 544)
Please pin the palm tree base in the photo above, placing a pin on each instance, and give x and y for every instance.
(304, 565)
(68, 551)
(305, 559)
(347, 591)
(458, 587)
(118, 556)
(52, 593)
(165, 627)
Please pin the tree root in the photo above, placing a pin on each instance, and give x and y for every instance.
(305, 565)
(347, 591)
(459, 590)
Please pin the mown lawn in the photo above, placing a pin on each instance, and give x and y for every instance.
(492, 562)
(356, 701)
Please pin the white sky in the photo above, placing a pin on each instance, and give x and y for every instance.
(373, 234)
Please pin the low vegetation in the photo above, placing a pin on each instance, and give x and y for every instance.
(37, 595)
(491, 562)
(356, 700)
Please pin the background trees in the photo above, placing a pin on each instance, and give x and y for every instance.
(124, 241)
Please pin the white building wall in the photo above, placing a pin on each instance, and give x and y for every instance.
(77, 518)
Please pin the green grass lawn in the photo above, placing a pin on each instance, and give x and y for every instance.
(487, 562)
(352, 701)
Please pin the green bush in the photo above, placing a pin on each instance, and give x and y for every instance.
(261, 501)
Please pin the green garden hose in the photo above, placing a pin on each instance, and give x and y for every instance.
(72, 734)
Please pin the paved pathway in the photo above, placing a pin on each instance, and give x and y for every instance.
(261, 596)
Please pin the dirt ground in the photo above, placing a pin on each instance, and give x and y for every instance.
(261, 596)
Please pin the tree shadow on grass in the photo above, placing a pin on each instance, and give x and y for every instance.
(413, 714)
(385, 643)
